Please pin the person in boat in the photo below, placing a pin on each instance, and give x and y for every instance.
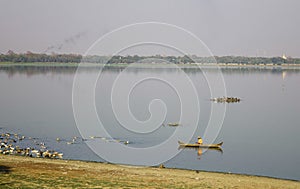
(200, 141)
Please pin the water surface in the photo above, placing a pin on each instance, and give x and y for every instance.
(260, 133)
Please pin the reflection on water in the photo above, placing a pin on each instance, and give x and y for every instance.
(260, 133)
(201, 151)
(33, 70)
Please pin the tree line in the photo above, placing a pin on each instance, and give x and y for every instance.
(10, 56)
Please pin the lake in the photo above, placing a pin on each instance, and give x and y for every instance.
(260, 133)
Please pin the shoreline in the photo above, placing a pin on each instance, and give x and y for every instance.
(152, 65)
(19, 171)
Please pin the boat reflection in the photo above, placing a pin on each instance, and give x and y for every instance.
(200, 151)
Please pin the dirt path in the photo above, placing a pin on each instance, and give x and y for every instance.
(23, 172)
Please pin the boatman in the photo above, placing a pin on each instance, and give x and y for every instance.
(200, 141)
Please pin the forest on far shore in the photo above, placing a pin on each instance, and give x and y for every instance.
(10, 56)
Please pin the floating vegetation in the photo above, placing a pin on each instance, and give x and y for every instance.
(110, 139)
(10, 144)
(20, 145)
(173, 124)
(226, 100)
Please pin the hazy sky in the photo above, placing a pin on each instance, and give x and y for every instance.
(227, 27)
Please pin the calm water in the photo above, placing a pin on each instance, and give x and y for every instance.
(260, 133)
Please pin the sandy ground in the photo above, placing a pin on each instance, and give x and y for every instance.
(25, 172)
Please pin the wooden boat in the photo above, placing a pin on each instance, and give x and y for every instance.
(182, 144)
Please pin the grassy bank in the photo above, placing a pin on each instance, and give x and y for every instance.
(24, 172)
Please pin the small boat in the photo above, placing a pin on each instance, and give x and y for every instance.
(182, 144)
